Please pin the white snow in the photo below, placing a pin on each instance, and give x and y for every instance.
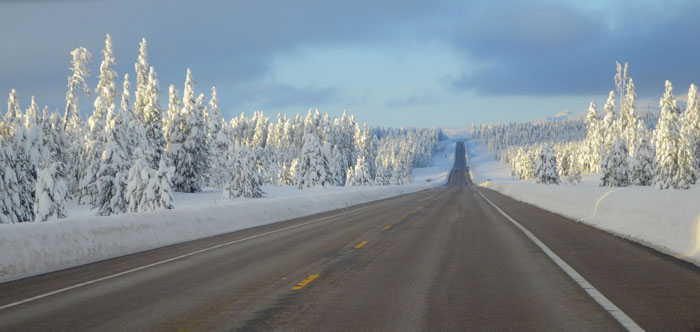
(667, 220)
(34, 248)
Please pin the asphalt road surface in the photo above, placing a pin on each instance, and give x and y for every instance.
(438, 260)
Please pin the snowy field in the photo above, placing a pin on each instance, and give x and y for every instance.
(35, 248)
(667, 220)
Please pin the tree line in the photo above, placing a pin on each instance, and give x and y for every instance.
(131, 154)
(625, 146)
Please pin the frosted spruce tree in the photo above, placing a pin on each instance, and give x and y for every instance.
(113, 176)
(689, 154)
(51, 192)
(72, 122)
(667, 139)
(608, 129)
(10, 208)
(615, 167)
(96, 136)
(642, 165)
(243, 176)
(218, 140)
(153, 121)
(191, 169)
(594, 142)
(546, 167)
(359, 176)
(148, 189)
(313, 167)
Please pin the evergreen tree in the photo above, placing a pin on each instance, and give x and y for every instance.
(313, 167)
(359, 176)
(148, 189)
(546, 167)
(153, 121)
(244, 178)
(615, 167)
(50, 195)
(10, 208)
(667, 139)
(113, 176)
(642, 170)
(689, 158)
(191, 169)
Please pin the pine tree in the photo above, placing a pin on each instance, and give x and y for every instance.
(546, 167)
(360, 175)
(668, 143)
(10, 208)
(51, 193)
(113, 176)
(594, 142)
(244, 178)
(153, 121)
(142, 95)
(104, 103)
(608, 131)
(313, 168)
(642, 170)
(615, 167)
(148, 189)
(72, 122)
(159, 188)
(191, 170)
(689, 158)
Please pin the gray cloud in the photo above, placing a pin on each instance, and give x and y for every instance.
(554, 50)
(412, 100)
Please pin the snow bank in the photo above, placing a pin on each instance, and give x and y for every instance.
(667, 220)
(34, 248)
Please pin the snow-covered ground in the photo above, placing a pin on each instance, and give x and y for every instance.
(667, 220)
(33, 248)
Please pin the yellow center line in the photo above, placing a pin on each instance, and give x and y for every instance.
(387, 227)
(360, 245)
(305, 282)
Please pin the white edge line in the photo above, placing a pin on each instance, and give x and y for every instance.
(10, 305)
(604, 302)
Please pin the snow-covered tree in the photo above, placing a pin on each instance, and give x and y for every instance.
(642, 165)
(594, 142)
(153, 121)
(359, 175)
(243, 175)
(314, 167)
(113, 176)
(667, 140)
(546, 167)
(10, 208)
(615, 167)
(689, 158)
(51, 192)
(148, 189)
(191, 170)
(608, 130)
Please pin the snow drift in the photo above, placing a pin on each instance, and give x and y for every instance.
(667, 220)
(34, 248)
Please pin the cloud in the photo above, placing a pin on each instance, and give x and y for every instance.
(272, 95)
(551, 49)
(413, 100)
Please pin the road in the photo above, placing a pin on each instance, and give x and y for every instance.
(438, 260)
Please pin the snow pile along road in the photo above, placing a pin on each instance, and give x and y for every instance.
(34, 248)
(667, 220)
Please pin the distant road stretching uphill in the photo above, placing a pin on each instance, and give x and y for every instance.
(447, 259)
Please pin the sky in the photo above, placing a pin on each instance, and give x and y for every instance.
(391, 62)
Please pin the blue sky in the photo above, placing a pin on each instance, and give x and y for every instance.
(391, 63)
